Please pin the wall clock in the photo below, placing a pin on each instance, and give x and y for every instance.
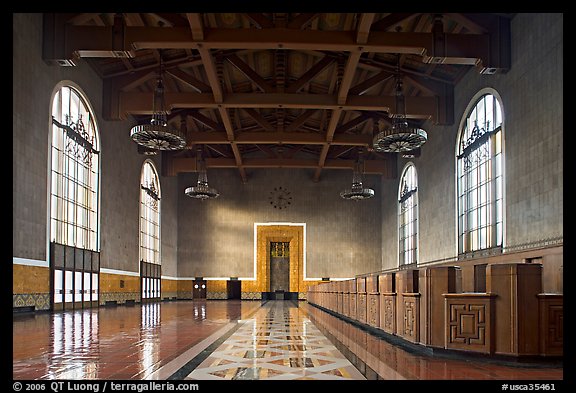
(280, 198)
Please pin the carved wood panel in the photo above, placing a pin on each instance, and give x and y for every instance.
(411, 318)
(551, 310)
(361, 310)
(353, 307)
(346, 304)
(388, 313)
(469, 323)
(373, 310)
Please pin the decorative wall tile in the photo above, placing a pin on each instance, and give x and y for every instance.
(251, 296)
(216, 295)
(119, 297)
(40, 301)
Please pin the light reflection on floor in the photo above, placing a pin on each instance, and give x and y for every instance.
(124, 342)
(279, 340)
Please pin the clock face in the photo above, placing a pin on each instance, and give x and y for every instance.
(280, 198)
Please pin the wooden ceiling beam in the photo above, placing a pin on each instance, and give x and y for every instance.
(196, 26)
(208, 122)
(250, 73)
(353, 123)
(217, 150)
(259, 20)
(333, 123)
(364, 25)
(140, 102)
(189, 164)
(197, 29)
(258, 118)
(190, 80)
(310, 74)
(348, 76)
(278, 138)
(300, 120)
(171, 18)
(369, 83)
(89, 41)
(302, 20)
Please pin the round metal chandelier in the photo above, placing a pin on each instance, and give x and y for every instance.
(201, 190)
(357, 192)
(157, 135)
(401, 137)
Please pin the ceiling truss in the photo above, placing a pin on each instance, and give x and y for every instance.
(280, 90)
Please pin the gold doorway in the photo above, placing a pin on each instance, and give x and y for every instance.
(265, 234)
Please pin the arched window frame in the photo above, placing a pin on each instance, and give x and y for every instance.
(150, 236)
(408, 216)
(480, 175)
(74, 170)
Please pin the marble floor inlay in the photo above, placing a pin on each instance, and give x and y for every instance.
(278, 342)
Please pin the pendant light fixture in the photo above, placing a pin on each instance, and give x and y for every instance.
(401, 137)
(357, 192)
(201, 190)
(158, 135)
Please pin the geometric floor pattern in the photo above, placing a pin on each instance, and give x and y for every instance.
(278, 343)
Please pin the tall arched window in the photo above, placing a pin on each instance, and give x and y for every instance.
(150, 232)
(480, 176)
(74, 200)
(408, 216)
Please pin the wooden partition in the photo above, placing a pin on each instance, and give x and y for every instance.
(408, 305)
(517, 286)
(346, 298)
(487, 308)
(332, 297)
(433, 283)
(551, 318)
(353, 303)
(373, 301)
(388, 302)
(469, 322)
(340, 297)
(361, 310)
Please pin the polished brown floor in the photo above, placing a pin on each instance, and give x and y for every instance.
(154, 341)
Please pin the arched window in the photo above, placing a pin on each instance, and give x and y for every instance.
(74, 200)
(75, 171)
(408, 216)
(150, 231)
(480, 176)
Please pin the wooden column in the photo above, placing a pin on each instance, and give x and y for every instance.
(373, 302)
(332, 296)
(408, 305)
(516, 321)
(387, 283)
(434, 282)
(346, 298)
(340, 297)
(353, 303)
(361, 310)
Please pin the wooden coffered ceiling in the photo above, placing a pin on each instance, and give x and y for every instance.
(280, 90)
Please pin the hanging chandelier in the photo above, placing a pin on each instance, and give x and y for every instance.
(157, 135)
(357, 192)
(201, 190)
(401, 137)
